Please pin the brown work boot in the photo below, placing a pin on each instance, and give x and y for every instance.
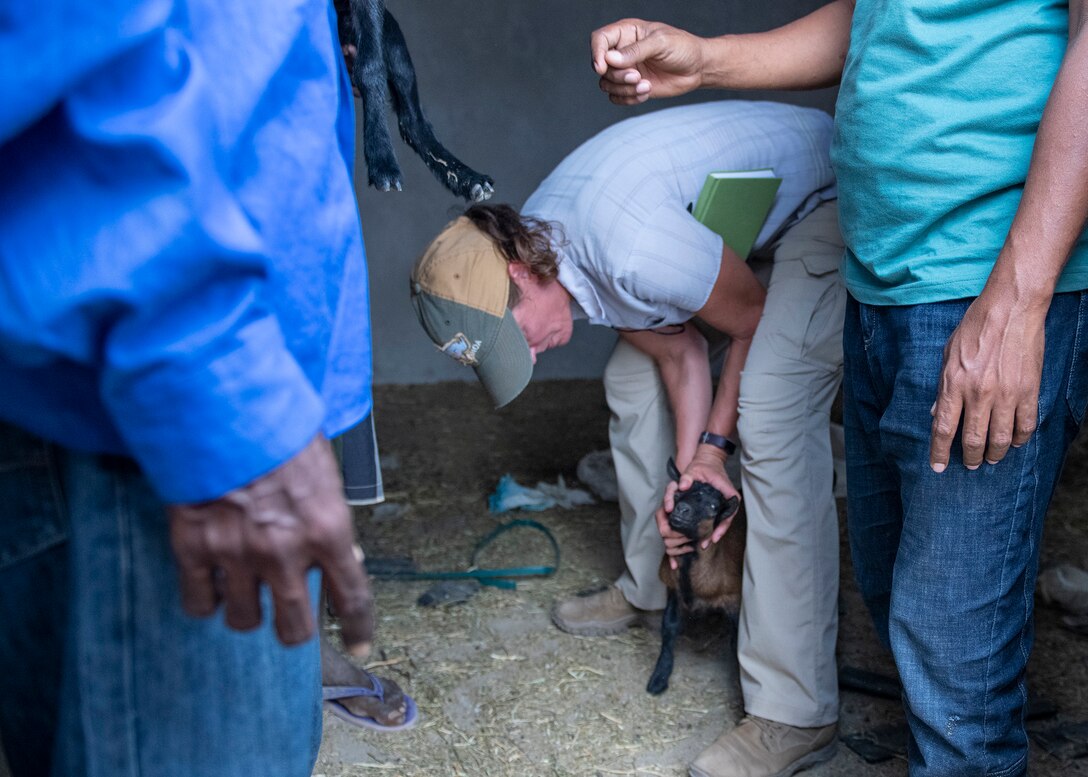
(599, 613)
(758, 747)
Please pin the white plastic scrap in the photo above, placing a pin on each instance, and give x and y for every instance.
(510, 495)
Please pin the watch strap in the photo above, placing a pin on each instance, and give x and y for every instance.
(718, 441)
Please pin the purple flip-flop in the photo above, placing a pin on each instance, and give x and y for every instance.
(331, 694)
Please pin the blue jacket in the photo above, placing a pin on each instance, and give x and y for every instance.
(182, 277)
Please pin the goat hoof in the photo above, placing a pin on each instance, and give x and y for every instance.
(657, 685)
(480, 193)
(386, 184)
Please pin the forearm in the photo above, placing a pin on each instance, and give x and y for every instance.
(806, 54)
(723, 413)
(1054, 205)
(681, 361)
(688, 385)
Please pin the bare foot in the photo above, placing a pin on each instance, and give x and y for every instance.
(338, 670)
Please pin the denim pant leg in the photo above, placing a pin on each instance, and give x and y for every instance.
(957, 598)
(146, 690)
(33, 591)
(874, 515)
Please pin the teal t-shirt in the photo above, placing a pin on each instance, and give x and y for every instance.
(935, 123)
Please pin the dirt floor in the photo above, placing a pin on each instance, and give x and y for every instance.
(502, 692)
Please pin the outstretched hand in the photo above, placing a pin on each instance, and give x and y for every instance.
(637, 60)
(272, 532)
(707, 466)
(993, 365)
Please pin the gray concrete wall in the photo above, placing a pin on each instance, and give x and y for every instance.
(508, 86)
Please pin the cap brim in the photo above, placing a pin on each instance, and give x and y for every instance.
(507, 369)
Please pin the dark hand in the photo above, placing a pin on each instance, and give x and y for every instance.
(993, 364)
(637, 60)
(273, 531)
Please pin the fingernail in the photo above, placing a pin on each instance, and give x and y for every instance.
(358, 551)
(643, 87)
(991, 461)
(361, 650)
(631, 78)
(933, 409)
(938, 467)
(972, 467)
(706, 544)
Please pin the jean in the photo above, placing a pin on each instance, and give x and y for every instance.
(101, 673)
(947, 562)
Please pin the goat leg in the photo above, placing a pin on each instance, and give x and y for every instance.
(368, 76)
(736, 692)
(670, 629)
(414, 127)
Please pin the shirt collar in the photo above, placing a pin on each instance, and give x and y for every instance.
(584, 303)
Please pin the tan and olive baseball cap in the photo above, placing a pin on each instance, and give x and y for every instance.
(460, 290)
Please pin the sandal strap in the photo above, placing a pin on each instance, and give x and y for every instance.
(334, 692)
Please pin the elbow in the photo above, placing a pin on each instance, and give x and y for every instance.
(689, 348)
(749, 321)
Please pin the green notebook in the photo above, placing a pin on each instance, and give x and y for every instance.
(735, 203)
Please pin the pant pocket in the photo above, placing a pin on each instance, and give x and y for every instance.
(816, 241)
(804, 320)
(1076, 386)
(32, 516)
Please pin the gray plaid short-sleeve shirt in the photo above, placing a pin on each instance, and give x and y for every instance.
(632, 256)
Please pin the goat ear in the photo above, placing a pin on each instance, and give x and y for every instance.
(674, 473)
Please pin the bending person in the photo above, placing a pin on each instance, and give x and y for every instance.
(608, 237)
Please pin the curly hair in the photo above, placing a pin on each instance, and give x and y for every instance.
(524, 239)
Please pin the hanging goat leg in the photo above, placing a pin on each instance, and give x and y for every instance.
(670, 630)
(414, 127)
(705, 578)
(361, 39)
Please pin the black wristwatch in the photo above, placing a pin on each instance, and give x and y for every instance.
(727, 445)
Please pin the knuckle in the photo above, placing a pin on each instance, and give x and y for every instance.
(329, 533)
(355, 605)
(1000, 440)
(293, 597)
(947, 388)
(943, 428)
(1026, 428)
(973, 439)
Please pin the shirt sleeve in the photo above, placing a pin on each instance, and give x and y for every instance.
(673, 265)
(123, 250)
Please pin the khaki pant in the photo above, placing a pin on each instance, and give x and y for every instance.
(789, 612)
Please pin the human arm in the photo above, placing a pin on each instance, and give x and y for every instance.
(707, 463)
(681, 360)
(993, 361)
(733, 307)
(637, 59)
(272, 531)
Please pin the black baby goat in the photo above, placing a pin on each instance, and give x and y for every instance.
(706, 580)
(381, 68)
